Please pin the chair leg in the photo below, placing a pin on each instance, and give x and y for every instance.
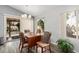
(19, 45)
(42, 50)
(21, 48)
(36, 48)
(28, 49)
(49, 48)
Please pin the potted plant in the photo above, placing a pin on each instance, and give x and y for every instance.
(65, 46)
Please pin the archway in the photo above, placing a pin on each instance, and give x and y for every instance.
(40, 26)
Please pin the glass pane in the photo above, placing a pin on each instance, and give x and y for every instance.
(71, 25)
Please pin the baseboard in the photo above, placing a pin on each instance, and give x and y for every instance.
(54, 43)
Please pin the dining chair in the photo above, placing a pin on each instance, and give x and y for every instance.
(26, 31)
(45, 42)
(23, 41)
(28, 42)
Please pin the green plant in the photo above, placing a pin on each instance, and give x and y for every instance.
(65, 45)
(41, 24)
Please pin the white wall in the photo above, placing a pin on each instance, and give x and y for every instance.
(54, 22)
(6, 10)
(75, 42)
(1, 25)
(61, 24)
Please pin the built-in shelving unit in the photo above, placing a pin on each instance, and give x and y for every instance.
(13, 27)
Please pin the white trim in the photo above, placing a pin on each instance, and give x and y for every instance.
(65, 23)
(5, 17)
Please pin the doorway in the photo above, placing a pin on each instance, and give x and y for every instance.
(11, 27)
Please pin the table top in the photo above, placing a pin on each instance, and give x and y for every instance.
(32, 35)
(32, 39)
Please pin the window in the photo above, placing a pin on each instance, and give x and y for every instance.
(71, 25)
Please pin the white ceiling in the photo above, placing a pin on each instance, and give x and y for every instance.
(35, 10)
(38, 10)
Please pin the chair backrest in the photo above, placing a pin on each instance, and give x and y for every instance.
(46, 37)
(22, 38)
(26, 31)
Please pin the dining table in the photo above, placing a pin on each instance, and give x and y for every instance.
(33, 39)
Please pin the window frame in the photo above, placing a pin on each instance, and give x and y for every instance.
(76, 12)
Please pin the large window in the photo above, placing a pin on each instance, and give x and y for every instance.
(71, 25)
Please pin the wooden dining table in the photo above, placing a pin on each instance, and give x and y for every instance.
(33, 39)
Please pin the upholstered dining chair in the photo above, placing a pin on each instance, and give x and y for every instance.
(45, 42)
(23, 41)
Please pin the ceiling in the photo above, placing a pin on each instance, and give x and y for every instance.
(38, 10)
(35, 10)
